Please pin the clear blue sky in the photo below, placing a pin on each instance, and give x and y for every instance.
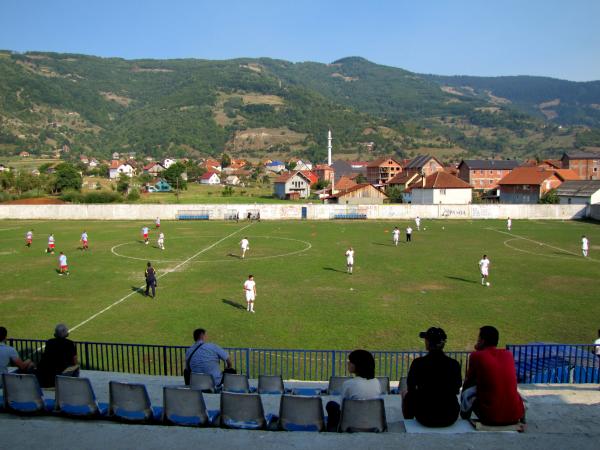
(556, 38)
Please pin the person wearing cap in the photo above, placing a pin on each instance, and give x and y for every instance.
(433, 384)
(59, 358)
(490, 387)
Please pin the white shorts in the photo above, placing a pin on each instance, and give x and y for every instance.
(349, 262)
(250, 297)
(484, 272)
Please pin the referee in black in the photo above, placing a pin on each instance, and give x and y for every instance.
(150, 275)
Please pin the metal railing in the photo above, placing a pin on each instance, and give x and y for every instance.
(537, 363)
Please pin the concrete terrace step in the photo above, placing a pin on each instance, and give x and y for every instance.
(559, 416)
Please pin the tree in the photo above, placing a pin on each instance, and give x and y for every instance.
(173, 176)
(394, 193)
(123, 184)
(360, 178)
(66, 177)
(225, 160)
(550, 197)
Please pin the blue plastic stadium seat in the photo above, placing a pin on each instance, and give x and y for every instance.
(130, 402)
(75, 397)
(22, 395)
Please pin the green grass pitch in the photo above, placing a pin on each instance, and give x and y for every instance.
(542, 289)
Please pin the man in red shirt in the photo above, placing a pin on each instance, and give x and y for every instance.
(490, 387)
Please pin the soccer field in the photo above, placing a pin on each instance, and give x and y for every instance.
(542, 289)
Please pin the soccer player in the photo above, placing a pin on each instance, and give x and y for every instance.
(245, 245)
(250, 291)
(50, 248)
(157, 222)
(63, 268)
(585, 245)
(150, 275)
(145, 232)
(396, 236)
(84, 240)
(509, 223)
(418, 223)
(484, 268)
(350, 260)
(408, 234)
(161, 240)
(28, 238)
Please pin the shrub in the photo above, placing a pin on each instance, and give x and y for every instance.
(134, 195)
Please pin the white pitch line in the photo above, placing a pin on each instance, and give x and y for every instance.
(121, 300)
(538, 242)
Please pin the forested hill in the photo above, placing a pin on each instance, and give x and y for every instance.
(254, 107)
(560, 101)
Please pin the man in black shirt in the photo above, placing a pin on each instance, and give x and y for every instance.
(59, 355)
(433, 384)
(150, 275)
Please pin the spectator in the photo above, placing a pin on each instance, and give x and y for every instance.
(433, 384)
(204, 357)
(364, 386)
(8, 355)
(597, 346)
(59, 358)
(490, 387)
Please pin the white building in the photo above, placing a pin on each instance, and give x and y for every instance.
(168, 162)
(232, 180)
(441, 188)
(579, 192)
(210, 178)
(117, 168)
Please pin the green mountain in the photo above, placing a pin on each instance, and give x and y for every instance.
(254, 107)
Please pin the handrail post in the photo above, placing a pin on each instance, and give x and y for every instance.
(333, 361)
(87, 358)
(247, 362)
(165, 360)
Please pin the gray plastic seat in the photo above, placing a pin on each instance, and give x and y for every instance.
(363, 415)
(130, 402)
(202, 382)
(242, 411)
(301, 413)
(235, 383)
(183, 406)
(270, 384)
(22, 394)
(385, 384)
(335, 385)
(75, 397)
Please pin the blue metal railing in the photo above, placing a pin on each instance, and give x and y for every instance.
(535, 363)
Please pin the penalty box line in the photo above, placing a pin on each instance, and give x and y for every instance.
(121, 300)
(534, 241)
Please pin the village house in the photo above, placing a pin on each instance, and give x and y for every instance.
(301, 165)
(484, 174)
(117, 168)
(116, 155)
(93, 163)
(359, 194)
(292, 185)
(211, 165)
(528, 184)
(275, 166)
(579, 192)
(154, 169)
(344, 183)
(324, 172)
(585, 164)
(232, 180)
(210, 178)
(441, 188)
(168, 162)
(382, 170)
(24, 154)
(311, 176)
(424, 165)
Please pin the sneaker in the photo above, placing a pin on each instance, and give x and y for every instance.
(252, 311)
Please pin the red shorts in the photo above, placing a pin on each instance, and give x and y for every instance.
(50, 245)
(158, 225)
(84, 242)
(29, 241)
(64, 267)
(146, 236)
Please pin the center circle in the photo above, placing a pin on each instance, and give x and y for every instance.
(306, 246)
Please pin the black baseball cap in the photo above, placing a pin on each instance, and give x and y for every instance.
(434, 335)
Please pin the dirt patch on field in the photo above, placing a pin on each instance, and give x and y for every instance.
(35, 201)
(422, 287)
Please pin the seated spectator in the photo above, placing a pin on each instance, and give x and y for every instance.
(8, 355)
(433, 384)
(59, 358)
(490, 387)
(205, 357)
(364, 386)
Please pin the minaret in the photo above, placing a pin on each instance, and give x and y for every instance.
(329, 148)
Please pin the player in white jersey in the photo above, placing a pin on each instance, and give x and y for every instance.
(145, 231)
(418, 223)
(28, 238)
(509, 223)
(245, 246)
(250, 292)
(409, 231)
(585, 245)
(157, 222)
(349, 260)
(63, 268)
(51, 244)
(161, 240)
(84, 240)
(484, 268)
(396, 236)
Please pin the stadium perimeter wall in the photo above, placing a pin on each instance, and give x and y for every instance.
(595, 212)
(297, 211)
